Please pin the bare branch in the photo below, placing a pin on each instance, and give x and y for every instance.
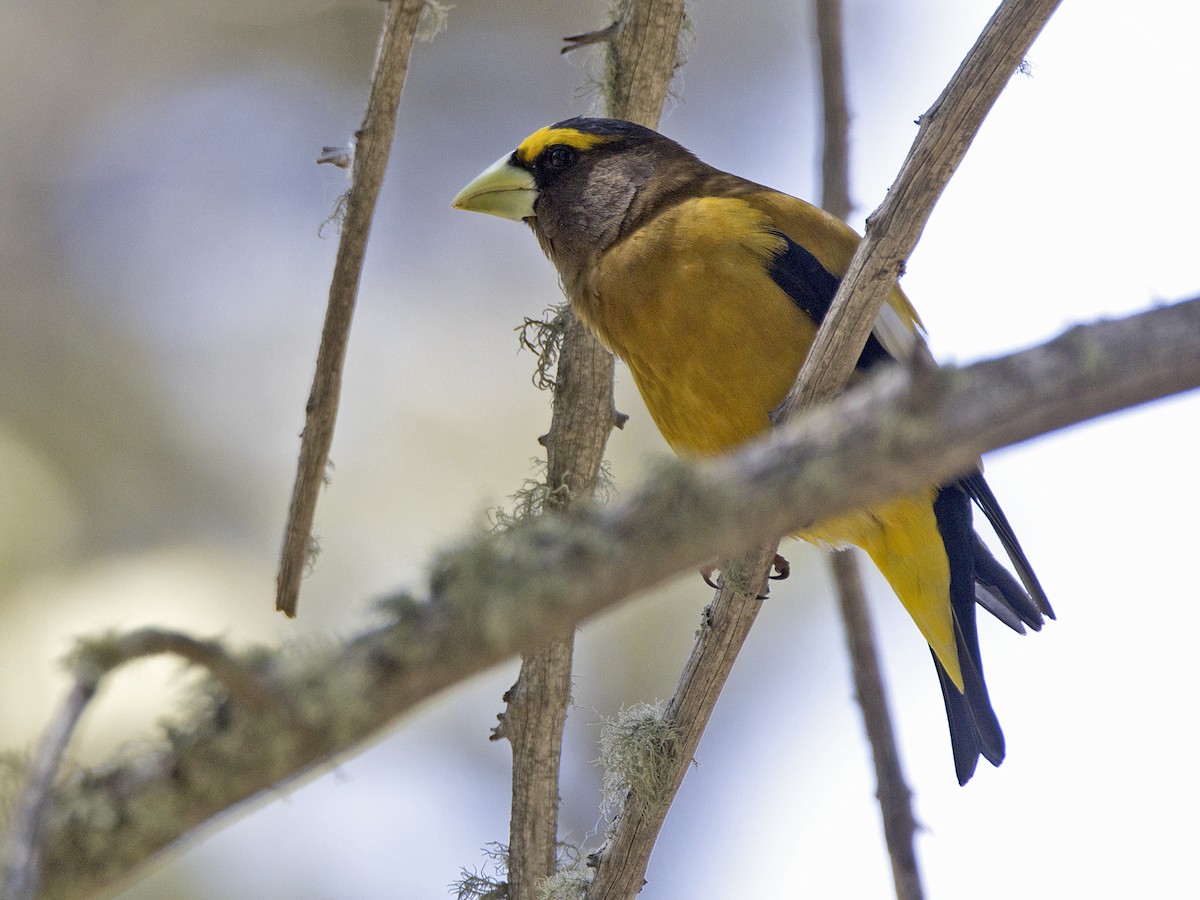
(21, 873)
(372, 149)
(835, 111)
(533, 720)
(895, 799)
(947, 130)
(642, 59)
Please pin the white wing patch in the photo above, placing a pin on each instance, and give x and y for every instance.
(897, 336)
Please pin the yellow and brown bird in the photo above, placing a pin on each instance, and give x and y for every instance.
(711, 287)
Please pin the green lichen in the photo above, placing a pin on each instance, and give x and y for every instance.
(337, 215)
(569, 884)
(543, 337)
(487, 882)
(637, 748)
(433, 20)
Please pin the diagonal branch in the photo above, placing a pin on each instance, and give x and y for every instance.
(621, 864)
(494, 597)
(372, 148)
(948, 129)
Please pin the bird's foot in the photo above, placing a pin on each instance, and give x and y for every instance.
(780, 569)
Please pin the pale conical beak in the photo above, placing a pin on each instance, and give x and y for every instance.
(501, 189)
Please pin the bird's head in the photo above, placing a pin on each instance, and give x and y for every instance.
(581, 183)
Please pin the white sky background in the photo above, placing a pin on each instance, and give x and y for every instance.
(1077, 202)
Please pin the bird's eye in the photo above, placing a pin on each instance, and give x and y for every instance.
(560, 157)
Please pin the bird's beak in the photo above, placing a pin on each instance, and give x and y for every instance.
(501, 189)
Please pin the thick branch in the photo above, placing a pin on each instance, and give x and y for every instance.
(372, 148)
(492, 598)
(641, 59)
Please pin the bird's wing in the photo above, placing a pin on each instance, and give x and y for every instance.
(830, 243)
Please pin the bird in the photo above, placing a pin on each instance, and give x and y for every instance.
(710, 288)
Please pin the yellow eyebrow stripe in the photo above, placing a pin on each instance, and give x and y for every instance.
(533, 145)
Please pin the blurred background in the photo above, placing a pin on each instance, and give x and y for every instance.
(163, 278)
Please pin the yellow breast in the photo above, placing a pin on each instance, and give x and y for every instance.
(712, 342)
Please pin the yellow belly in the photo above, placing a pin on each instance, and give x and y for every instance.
(903, 541)
(716, 346)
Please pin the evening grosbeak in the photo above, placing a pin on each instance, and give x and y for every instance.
(710, 288)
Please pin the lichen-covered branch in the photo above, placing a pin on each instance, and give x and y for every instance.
(494, 597)
(20, 873)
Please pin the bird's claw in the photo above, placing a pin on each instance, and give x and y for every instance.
(780, 569)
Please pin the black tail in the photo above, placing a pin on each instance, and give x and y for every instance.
(975, 485)
(977, 577)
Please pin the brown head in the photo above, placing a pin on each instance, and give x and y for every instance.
(583, 184)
